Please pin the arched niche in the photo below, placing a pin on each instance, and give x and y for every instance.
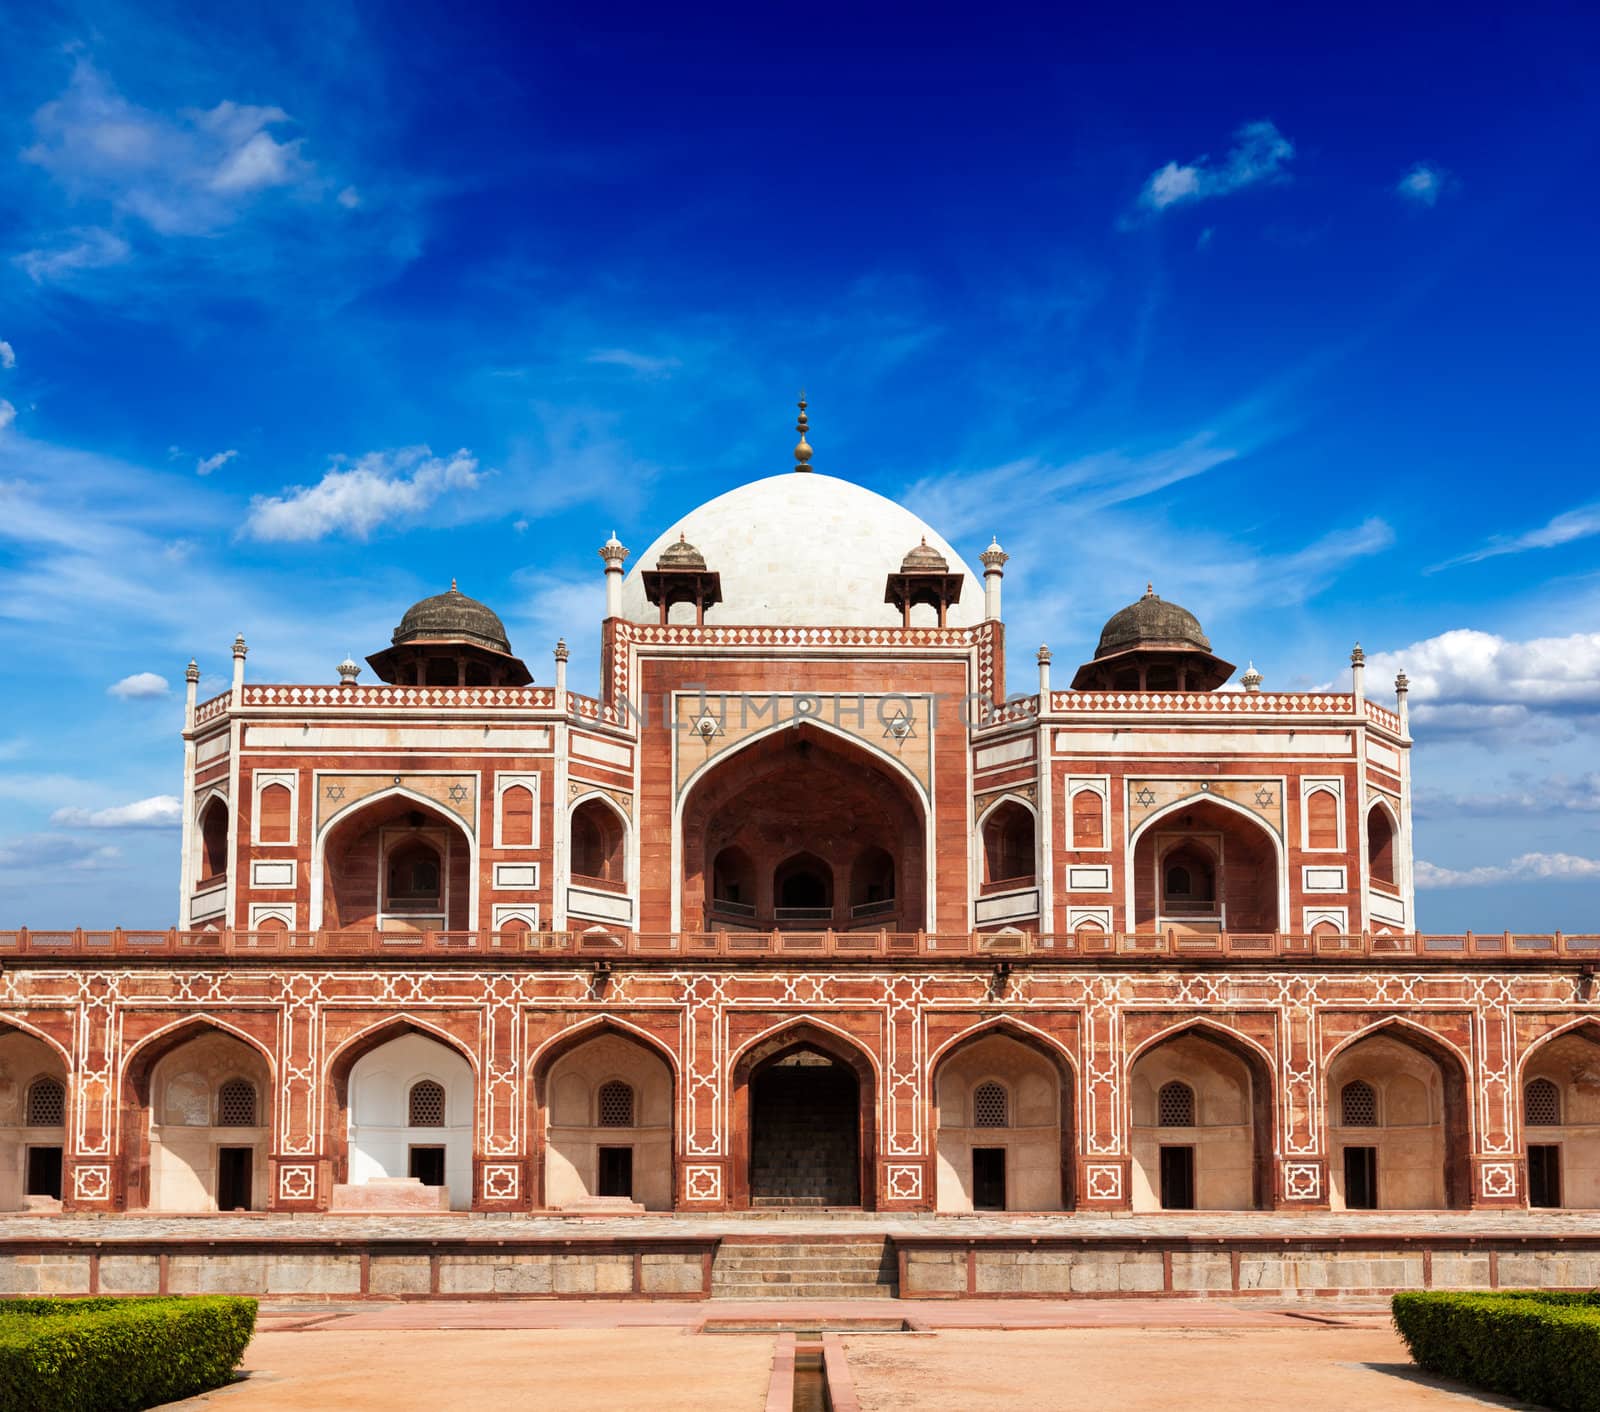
(211, 840)
(1410, 1152)
(1559, 1102)
(193, 1151)
(388, 1134)
(1227, 860)
(598, 842)
(1221, 1158)
(805, 1134)
(33, 1122)
(607, 1104)
(806, 790)
(397, 864)
(1008, 836)
(999, 1092)
(1381, 835)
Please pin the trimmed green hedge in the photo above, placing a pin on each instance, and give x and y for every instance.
(96, 1355)
(1541, 1347)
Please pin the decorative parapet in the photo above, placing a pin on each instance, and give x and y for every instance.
(989, 948)
(380, 697)
(1208, 703)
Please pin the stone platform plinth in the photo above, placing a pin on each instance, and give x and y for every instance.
(392, 1195)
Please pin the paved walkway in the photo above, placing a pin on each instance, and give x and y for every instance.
(486, 1226)
(997, 1356)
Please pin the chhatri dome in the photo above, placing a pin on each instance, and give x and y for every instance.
(802, 549)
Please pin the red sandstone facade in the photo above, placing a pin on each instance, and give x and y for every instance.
(837, 853)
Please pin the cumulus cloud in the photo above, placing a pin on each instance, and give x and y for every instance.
(378, 489)
(91, 249)
(1564, 528)
(8, 357)
(183, 174)
(141, 686)
(1423, 185)
(206, 464)
(1260, 153)
(1529, 867)
(641, 364)
(8, 414)
(160, 811)
(1469, 681)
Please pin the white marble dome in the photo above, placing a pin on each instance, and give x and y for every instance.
(803, 549)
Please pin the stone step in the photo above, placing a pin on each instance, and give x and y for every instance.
(805, 1292)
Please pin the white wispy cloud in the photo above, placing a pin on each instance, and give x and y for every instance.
(90, 249)
(206, 464)
(1557, 794)
(31, 852)
(8, 414)
(1423, 185)
(641, 364)
(1565, 528)
(349, 198)
(141, 686)
(380, 488)
(188, 173)
(160, 811)
(1260, 154)
(8, 356)
(1529, 867)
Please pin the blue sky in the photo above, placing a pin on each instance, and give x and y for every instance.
(304, 310)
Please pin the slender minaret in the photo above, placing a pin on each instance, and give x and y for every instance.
(1358, 676)
(993, 560)
(191, 686)
(562, 653)
(613, 552)
(1251, 680)
(1044, 676)
(802, 449)
(239, 653)
(1402, 691)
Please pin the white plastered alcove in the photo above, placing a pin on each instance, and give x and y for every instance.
(1031, 1136)
(1222, 1135)
(1572, 1063)
(574, 1134)
(1409, 1134)
(381, 1135)
(23, 1061)
(187, 1136)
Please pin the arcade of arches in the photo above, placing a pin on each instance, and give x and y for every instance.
(803, 831)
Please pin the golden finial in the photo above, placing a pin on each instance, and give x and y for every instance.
(802, 450)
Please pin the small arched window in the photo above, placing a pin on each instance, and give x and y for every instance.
(236, 1104)
(1358, 1105)
(1322, 820)
(616, 1104)
(990, 1107)
(1008, 844)
(1380, 845)
(277, 821)
(1175, 1106)
(414, 875)
(214, 840)
(1179, 883)
(516, 817)
(1541, 1104)
(596, 842)
(425, 1105)
(47, 1104)
(1088, 819)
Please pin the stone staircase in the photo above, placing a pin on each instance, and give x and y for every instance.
(861, 1268)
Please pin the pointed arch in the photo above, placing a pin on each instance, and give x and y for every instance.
(760, 1053)
(1585, 1025)
(1280, 856)
(581, 805)
(14, 1022)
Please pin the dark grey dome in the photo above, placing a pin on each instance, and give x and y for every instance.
(924, 559)
(681, 555)
(452, 617)
(1151, 622)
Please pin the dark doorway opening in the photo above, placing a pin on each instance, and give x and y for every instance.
(988, 1179)
(1361, 1178)
(805, 1116)
(234, 1170)
(616, 1171)
(1177, 1179)
(427, 1165)
(44, 1172)
(1544, 1174)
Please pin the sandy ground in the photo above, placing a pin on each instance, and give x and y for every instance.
(505, 1370)
(1142, 1370)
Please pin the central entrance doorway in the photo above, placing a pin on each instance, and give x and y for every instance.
(805, 1132)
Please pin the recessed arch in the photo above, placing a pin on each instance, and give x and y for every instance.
(1189, 802)
(22, 1026)
(616, 851)
(35, 1119)
(1558, 1109)
(1382, 836)
(462, 878)
(1006, 840)
(756, 1099)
